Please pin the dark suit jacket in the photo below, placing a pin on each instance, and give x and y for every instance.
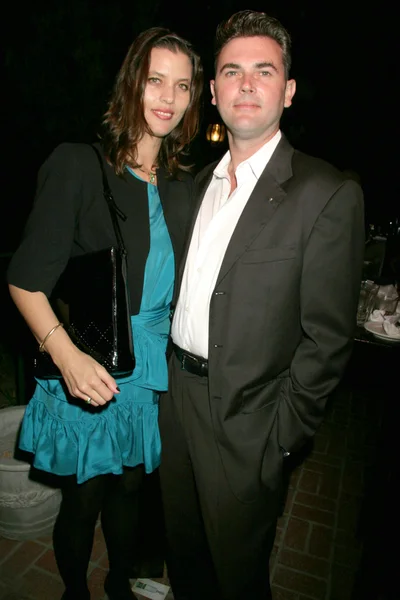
(282, 314)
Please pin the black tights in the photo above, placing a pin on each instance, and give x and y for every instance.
(117, 498)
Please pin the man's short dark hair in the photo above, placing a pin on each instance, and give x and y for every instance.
(248, 23)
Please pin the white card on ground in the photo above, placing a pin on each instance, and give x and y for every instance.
(150, 589)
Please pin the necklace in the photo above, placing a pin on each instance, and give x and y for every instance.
(150, 174)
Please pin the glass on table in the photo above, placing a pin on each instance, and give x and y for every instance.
(387, 298)
(366, 301)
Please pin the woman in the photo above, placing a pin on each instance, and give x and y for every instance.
(100, 434)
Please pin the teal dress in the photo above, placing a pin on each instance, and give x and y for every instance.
(68, 437)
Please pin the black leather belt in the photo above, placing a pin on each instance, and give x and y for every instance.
(190, 362)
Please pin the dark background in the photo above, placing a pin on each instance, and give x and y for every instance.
(61, 59)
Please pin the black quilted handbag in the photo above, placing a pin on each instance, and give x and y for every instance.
(91, 300)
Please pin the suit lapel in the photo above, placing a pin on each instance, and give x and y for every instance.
(201, 184)
(261, 206)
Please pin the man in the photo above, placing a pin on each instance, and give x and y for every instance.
(263, 326)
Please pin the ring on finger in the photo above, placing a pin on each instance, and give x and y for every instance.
(88, 400)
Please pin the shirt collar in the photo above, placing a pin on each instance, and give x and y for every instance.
(257, 162)
(221, 170)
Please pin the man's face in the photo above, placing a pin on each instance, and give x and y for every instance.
(250, 89)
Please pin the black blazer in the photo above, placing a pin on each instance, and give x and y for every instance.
(70, 217)
(282, 314)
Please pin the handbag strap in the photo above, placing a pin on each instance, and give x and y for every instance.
(115, 212)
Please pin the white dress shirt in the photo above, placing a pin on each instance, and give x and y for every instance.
(216, 221)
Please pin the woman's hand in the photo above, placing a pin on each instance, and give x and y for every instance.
(84, 377)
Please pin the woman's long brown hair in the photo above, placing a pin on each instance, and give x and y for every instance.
(124, 123)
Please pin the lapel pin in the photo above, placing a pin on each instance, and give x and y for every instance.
(271, 199)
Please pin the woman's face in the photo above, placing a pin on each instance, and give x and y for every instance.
(167, 92)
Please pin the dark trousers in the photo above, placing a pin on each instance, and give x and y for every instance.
(218, 548)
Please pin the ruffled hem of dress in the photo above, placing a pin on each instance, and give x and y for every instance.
(87, 448)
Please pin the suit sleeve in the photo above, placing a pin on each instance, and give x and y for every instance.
(330, 288)
(49, 233)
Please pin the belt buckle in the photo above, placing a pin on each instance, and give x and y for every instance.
(186, 360)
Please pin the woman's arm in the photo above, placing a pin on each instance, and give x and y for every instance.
(83, 376)
(41, 257)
